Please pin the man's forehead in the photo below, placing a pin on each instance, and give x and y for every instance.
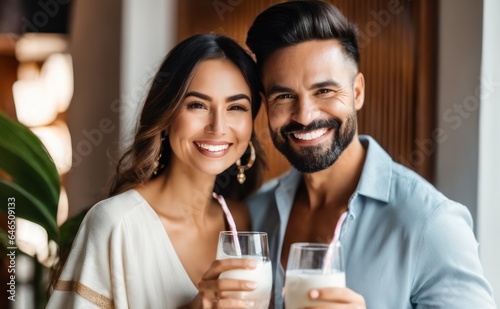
(313, 50)
(305, 63)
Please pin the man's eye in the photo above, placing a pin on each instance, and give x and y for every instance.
(323, 91)
(285, 96)
(196, 105)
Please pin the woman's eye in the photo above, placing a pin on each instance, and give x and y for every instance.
(238, 108)
(196, 105)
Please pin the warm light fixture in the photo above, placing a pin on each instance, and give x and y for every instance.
(32, 239)
(40, 95)
(57, 139)
(57, 74)
(39, 46)
(63, 207)
(28, 70)
(33, 107)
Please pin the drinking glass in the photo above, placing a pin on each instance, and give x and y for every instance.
(253, 245)
(312, 266)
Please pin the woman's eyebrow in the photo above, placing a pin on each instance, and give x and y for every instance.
(237, 97)
(198, 95)
(205, 97)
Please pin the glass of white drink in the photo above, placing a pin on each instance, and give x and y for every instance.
(311, 266)
(252, 245)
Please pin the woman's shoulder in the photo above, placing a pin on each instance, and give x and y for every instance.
(113, 210)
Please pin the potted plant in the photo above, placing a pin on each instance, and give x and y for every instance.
(29, 189)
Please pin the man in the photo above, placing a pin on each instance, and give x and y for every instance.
(405, 244)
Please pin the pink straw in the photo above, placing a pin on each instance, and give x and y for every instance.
(336, 235)
(230, 220)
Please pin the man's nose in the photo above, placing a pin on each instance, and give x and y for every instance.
(305, 111)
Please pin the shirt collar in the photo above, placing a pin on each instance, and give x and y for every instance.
(375, 181)
(285, 192)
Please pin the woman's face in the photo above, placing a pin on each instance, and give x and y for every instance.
(214, 123)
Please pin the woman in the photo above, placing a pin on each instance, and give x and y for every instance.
(151, 243)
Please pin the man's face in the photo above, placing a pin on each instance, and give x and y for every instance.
(313, 93)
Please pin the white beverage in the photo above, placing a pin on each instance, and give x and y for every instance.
(299, 282)
(262, 275)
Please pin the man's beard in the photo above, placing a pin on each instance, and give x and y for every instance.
(310, 159)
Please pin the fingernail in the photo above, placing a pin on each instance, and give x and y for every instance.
(249, 303)
(252, 263)
(251, 284)
(314, 294)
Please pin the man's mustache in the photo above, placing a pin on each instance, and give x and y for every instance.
(317, 124)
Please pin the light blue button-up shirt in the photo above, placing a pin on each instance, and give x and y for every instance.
(405, 244)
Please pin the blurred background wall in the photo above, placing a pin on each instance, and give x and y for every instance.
(488, 210)
(431, 70)
(95, 44)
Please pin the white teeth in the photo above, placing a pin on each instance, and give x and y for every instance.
(310, 135)
(213, 148)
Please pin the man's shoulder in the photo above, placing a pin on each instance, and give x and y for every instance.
(417, 200)
(406, 183)
(390, 182)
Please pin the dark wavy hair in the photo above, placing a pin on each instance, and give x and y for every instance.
(163, 103)
(291, 23)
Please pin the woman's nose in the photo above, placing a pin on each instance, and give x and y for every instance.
(217, 123)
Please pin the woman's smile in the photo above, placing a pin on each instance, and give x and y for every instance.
(212, 149)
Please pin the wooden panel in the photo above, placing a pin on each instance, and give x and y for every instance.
(398, 52)
(8, 73)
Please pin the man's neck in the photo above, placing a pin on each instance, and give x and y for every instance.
(336, 184)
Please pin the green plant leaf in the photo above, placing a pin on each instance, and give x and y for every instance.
(26, 160)
(30, 208)
(4, 238)
(32, 177)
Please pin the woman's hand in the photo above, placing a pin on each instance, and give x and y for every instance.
(216, 293)
(339, 298)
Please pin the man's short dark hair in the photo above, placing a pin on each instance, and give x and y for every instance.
(290, 23)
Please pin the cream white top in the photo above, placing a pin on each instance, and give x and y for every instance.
(122, 258)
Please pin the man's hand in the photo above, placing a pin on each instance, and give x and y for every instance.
(339, 298)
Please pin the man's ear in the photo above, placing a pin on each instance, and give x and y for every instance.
(359, 91)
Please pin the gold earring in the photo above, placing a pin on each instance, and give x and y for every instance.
(156, 165)
(241, 169)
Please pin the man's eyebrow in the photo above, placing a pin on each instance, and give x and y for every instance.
(326, 83)
(278, 89)
(237, 97)
(198, 95)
